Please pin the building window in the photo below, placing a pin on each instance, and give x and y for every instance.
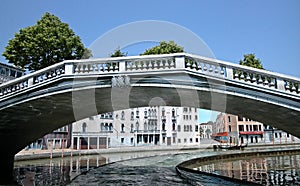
(164, 139)
(247, 127)
(241, 127)
(137, 113)
(122, 127)
(122, 115)
(163, 126)
(131, 140)
(259, 127)
(110, 127)
(196, 117)
(184, 140)
(287, 135)
(174, 140)
(185, 109)
(132, 115)
(197, 140)
(102, 127)
(191, 128)
(122, 140)
(240, 118)
(190, 117)
(145, 114)
(191, 140)
(196, 128)
(163, 112)
(131, 128)
(178, 140)
(137, 126)
(145, 125)
(178, 128)
(229, 128)
(84, 127)
(255, 128)
(251, 128)
(173, 127)
(229, 120)
(173, 112)
(276, 135)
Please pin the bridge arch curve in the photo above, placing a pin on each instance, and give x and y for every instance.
(37, 104)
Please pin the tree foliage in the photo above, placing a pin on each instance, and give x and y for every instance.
(164, 48)
(251, 61)
(47, 42)
(118, 53)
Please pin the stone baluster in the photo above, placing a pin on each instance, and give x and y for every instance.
(204, 67)
(287, 86)
(254, 79)
(216, 71)
(210, 68)
(248, 78)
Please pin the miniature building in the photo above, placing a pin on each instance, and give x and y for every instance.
(145, 126)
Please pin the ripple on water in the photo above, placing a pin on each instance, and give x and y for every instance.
(119, 174)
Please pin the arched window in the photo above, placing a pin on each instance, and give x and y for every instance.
(173, 112)
(102, 128)
(84, 127)
(110, 127)
(122, 127)
(106, 126)
(163, 126)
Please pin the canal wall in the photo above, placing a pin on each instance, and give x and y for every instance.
(58, 153)
(187, 171)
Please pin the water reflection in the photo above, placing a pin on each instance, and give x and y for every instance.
(279, 170)
(54, 171)
(61, 171)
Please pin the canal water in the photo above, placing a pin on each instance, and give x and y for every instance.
(142, 168)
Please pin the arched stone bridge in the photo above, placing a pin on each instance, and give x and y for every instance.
(38, 103)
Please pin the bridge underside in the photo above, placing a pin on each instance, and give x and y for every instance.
(62, 103)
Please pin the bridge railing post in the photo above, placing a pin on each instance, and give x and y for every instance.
(122, 66)
(280, 84)
(180, 62)
(69, 68)
(229, 72)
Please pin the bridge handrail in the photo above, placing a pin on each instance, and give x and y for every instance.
(250, 75)
(205, 65)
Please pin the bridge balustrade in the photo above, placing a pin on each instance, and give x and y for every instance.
(179, 61)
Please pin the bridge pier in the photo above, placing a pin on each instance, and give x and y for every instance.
(7, 168)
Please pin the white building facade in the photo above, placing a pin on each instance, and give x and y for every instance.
(144, 126)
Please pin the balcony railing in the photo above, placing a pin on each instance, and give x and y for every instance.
(167, 62)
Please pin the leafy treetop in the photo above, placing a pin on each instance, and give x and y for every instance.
(118, 53)
(251, 61)
(164, 48)
(47, 42)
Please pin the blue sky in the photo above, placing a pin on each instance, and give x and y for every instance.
(269, 28)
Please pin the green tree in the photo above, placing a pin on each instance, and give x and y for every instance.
(47, 42)
(118, 53)
(251, 61)
(164, 48)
